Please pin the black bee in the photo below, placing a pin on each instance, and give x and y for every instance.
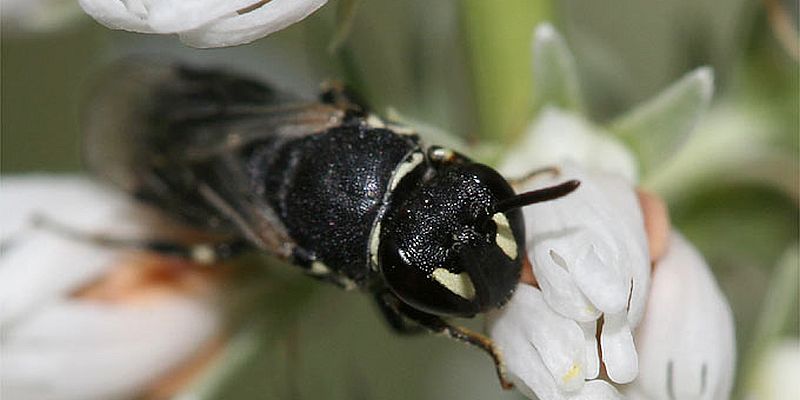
(323, 184)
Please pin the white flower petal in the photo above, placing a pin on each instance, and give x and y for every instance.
(619, 352)
(44, 268)
(637, 254)
(562, 294)
(557, 136)
(38, 265)
(686, 340)
(588, 247)
(239, 29)
(57, 347)
(82, 350)
(605, 287)
(137, 7)
(525, 367)
(592, 356)
(72, 200)
(172, 16)
(202, 23)
(597, 390)
(531, 336)
(527, 325)
(115, 15)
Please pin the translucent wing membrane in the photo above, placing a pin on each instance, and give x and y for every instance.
(178, 138)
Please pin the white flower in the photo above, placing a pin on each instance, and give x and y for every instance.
(202, 23)
(589, 254)
(545, 353)
(686, 342)
(557, 135)
(589, 250)
(56, 345)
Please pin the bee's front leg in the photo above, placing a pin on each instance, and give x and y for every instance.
(436, 324)
(388, 305)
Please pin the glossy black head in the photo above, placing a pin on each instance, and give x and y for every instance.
(443, 248)
(452, 240)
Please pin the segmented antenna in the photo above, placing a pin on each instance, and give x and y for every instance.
(536, 196)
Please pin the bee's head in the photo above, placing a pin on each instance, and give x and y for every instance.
(454, 244)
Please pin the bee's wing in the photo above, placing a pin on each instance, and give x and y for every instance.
(251, 124)
(136, 106)
(149, 126)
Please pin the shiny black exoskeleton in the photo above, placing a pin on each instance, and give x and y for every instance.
(323, 184)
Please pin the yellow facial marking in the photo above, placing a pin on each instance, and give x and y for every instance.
(460, 284)
(504, 237)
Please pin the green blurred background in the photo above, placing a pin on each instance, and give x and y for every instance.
(463, 67)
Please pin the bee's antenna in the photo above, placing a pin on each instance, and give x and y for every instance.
(536, 196)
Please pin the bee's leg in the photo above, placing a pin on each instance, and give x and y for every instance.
(388, 304)
(520, 180)
(200, 253)
(438, 325)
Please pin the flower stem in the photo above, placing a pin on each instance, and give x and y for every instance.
(498, 37)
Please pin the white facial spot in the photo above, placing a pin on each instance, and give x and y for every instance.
(319, 268)
(404, 168)
(374, 243)
(504, 237)
(460, 284)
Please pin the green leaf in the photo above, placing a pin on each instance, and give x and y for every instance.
(345, 15)
(555, 78)
(656, 129)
